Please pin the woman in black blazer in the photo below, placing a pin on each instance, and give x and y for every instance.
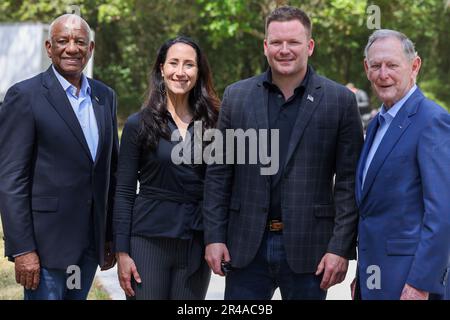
(158, 232)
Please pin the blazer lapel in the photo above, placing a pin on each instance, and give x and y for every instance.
(397, 128)
(260, 108)
(59, 101)
(260, 104)
(100, 114)
(311, 99)
(371, 131)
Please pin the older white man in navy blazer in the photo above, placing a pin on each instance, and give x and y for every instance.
(58, 146)
(295, 229)
(403, 181)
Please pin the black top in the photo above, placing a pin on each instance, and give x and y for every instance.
(168, 203)
(282, 116)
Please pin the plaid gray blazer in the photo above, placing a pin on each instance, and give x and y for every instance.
(318, 202)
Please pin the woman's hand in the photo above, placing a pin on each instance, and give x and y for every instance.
(125, 269)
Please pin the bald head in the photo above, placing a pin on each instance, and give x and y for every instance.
(69, 21)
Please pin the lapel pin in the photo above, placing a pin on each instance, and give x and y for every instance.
(96, 98)
(310, 98)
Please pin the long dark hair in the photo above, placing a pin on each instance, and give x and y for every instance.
(203, 99)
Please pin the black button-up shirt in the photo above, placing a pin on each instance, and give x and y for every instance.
(282, 116)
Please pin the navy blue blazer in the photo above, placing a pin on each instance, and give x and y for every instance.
(404, 225)
(51, 190)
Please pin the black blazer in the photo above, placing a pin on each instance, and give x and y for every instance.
(319, 214)
(50, 187)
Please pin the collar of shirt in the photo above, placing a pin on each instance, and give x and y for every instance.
(170, 118)
(268, 84)
(69, 88)
(389, 115)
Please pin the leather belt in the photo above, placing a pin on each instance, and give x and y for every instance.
(275, 225)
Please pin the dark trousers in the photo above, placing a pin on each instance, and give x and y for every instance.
(56, 284)
(269, 271)
(162, 264)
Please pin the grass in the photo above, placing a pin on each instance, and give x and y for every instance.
(10, 290)
(97, 292)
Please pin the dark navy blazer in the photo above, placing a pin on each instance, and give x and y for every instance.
(51, 190)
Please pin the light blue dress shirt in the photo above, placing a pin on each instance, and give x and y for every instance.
(83, 108)
(384, 121)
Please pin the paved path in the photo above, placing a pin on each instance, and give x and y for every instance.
(109, 281)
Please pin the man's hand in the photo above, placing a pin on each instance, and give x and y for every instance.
(28, 270)
(411, 293)
(335, 270)
(125, 269)
(214, 254)
(110, 260)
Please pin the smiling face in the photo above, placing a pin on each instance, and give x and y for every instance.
(180, 70)
(390, 71)
(287, 48)
(69, 47)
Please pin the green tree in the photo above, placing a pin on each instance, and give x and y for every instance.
(231, 32)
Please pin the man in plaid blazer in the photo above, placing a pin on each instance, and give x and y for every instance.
(295, 229)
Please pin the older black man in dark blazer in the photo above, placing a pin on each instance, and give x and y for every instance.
(58, 146)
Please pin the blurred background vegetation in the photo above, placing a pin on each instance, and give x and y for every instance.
(128, 33)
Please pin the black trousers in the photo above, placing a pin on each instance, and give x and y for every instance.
(162, 264)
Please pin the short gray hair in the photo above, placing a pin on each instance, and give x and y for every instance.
(408, 45)
(66, 17)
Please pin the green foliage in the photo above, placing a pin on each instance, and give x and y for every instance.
(232, 19)
(340, 33)
(231, 32)
(434, 90)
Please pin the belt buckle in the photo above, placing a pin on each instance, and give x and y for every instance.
(275, 225)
